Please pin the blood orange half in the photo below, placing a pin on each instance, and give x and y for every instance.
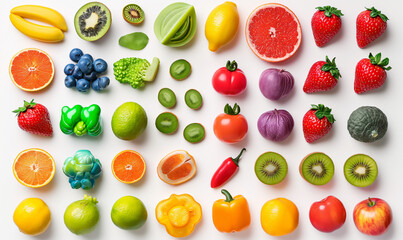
(31, 69)
(177, 167)
(34, 167)
(273, 32)
(128, 166)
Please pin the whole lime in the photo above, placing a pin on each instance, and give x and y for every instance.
(129, 121)
(82, 216)
(129, 213)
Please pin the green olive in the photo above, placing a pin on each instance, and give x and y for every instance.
(193, 99)
(180, 69)
(167, 98)
(194, 133)
(167, 123)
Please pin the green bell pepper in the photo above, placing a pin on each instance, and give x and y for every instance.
(81, 121)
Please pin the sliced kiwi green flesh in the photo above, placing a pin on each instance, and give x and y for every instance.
(134, 41)
(317, 168)
(194, 133)
(180, 69)
(360, 170)
(92, 21)
(133, 14)
(271, 168)
(167, 123)
(193, 99)
(167, 98)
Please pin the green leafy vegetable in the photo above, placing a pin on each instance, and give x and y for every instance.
(134, 41)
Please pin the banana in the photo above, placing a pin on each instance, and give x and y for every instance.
(40, 13)
(36, 31)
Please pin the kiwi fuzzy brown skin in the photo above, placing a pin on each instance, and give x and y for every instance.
(138, 11)
(107, 30)
(302, 162)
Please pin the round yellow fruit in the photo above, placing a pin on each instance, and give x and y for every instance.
(279, 217)
(32, 216)
(221, 25)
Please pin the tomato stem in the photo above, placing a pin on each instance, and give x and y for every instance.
(232, 110)
(228, 197)
(231, 66)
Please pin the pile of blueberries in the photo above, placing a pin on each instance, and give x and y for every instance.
(85, 73)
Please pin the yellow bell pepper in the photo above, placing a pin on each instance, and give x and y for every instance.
(179, 214)
(231, 214)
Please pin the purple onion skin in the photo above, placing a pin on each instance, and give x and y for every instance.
(275, 83)
(275, 125)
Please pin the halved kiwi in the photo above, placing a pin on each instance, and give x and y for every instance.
(133, 14)
(193, 99)
(167, 98)
(180, 69)
(92, 21)
(317, 168)
(167, 123)
(271, 168)
(194, 133)
(360, 170)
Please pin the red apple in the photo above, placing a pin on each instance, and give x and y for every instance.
(328, 214)
(372, 216)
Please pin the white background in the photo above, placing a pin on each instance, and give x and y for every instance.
(211, 152)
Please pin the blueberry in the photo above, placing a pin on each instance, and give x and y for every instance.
(83, 85)
(70, 81)
(88, 56)
(77, 73)
(85, 65)
(103, 82)
(76, 54)
(100, 65)
(95, 85)
(68, 69)
(91, 77)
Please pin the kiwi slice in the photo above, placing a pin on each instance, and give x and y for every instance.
(133, 14)
(92, 21)
(317, 168)
(271, 168)
(167, 123)
(193, 99)
(360, 170)
(194, 133)
(180, 69)
(167, 98)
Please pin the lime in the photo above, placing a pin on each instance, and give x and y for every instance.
(129, 121)
(32, 216)
(82, 216)
(129, 213)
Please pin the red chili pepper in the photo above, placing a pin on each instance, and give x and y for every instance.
(226, 170)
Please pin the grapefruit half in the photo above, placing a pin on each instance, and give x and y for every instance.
(273, 32)
(177, 167)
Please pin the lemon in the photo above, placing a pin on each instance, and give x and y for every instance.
(279, 217)
(129, 121)
(221, 25)
(129, 213)
(32, 216)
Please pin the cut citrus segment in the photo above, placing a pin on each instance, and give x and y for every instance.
(273, 32)
(34, 167)
(177, 167)
(128, 166)
(31, 69)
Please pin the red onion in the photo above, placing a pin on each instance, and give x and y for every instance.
(275, 125)
(275, 83)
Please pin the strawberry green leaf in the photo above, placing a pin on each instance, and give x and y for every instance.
(26, 106)
(330, 66)
(375, 13)
(329, 11)
(322, 111)
(377, 60)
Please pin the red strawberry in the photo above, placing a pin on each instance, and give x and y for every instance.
(325, 23)
(322, 76)
(317, 122)
(370, 73)
(371, 24)
(34, 118)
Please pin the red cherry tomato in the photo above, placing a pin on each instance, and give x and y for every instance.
(230, 127)
(229, 80)
(328, 214)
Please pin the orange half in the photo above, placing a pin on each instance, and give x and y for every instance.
(31, 69)
(128, 166)
(34, 168)
(177, 167)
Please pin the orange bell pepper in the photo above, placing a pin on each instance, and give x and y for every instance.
(179, 214)
(231, 214)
